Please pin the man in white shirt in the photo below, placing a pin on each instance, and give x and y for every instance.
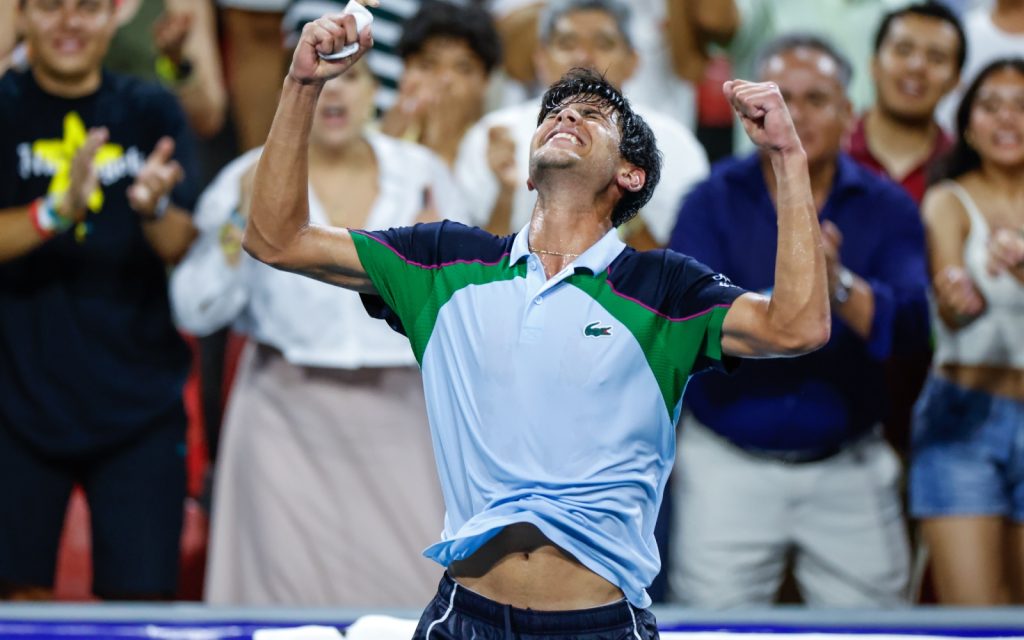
(493, 160)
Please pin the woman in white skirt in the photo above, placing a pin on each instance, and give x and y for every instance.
(325, 490)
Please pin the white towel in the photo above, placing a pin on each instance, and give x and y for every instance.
(299, 633)
(380, 628)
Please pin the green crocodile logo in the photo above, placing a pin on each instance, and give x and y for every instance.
(595, 331)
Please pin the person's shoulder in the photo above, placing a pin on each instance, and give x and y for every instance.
(443, 243)
(943, 206)
(13, 87)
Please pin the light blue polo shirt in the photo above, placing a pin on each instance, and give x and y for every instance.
(551, 401)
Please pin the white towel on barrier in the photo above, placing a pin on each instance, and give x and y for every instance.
(380, 628)
(309, 632)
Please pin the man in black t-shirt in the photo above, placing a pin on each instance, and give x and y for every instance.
(93, 206)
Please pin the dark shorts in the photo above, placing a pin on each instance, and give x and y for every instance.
(136, 494)
(456, 613)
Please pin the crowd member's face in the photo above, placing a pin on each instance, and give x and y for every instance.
(67, 39)
(449, 66)
(588, 38)
(577, 136)
(345, 107)
(915, 66)
(809, 82)
(996, 125)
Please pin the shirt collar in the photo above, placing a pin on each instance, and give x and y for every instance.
(595, 259)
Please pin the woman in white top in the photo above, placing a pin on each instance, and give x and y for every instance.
(325, 491)
(967, 469)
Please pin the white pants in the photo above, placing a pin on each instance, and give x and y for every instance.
(737, 519)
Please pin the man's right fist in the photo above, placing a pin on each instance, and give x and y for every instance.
(326, 35)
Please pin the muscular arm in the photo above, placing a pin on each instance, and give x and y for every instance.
(796, 318)
(278, 231)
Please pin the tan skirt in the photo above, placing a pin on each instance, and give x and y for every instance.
(325, 490)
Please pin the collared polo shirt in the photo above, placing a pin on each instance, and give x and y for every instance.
(551, 401)
(821, 401)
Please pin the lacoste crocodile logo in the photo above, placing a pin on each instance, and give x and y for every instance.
(595, 331)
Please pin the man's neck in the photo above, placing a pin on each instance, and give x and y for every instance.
(899, 145)
(68, 88)
(567, 223)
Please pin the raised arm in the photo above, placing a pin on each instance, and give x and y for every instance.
(796, 318)
(278, 231)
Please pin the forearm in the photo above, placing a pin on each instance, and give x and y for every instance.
(280, 204)
(799, 306)
(18, 235)
(204, 101)
(171, 235)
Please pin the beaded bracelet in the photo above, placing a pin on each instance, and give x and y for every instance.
(46, 219)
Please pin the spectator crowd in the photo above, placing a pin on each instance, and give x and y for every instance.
(148, 363)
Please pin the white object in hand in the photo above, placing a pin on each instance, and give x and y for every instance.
(363, 20)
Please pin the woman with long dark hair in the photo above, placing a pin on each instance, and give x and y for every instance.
(967, 470)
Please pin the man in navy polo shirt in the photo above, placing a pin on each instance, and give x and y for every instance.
(784, 457)
(554, 360)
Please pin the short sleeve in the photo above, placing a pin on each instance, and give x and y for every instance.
(707, 294)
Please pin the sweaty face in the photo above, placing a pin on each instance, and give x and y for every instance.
(588, 38)
(810, 85)
(68, 38)
(996, 125)
(345, 107)
(580, 133)
(915, 66)
(450, 65)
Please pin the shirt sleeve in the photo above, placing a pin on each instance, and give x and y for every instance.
(402, 264)
(708, 294)
(899, 281)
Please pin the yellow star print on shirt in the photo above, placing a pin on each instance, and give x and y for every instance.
(60, 153)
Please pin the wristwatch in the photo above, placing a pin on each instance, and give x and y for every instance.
(844, 284)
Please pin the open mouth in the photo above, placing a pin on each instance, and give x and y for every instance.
(334, 114)
(68, 45)
(565, 135)
(1007, 139)
(911, 88)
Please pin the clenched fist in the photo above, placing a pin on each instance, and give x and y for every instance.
(764, 115)
(325, 35)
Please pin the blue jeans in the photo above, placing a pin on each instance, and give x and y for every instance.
(967, 453)
(456, 613)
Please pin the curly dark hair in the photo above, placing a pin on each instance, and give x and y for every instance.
(637, 144)
(962, 158)
(468, 22)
